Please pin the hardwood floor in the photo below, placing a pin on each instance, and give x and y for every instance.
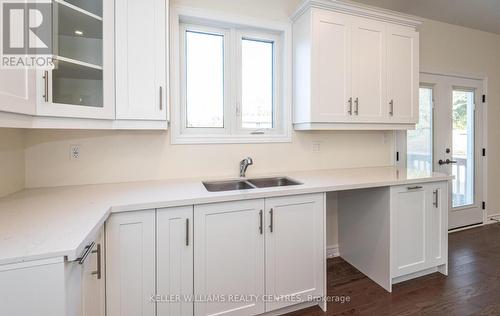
(471, 288)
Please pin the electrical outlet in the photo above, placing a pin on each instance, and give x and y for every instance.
(316, 147)
(74, 152)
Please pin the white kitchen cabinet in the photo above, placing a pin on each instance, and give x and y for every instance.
(141, 59)
(17, 91)
(403, 73)
(229, 256)
(369, 70)
(82, 83)
(93, 276)
(295, 248)
(343, 75)
(419, 227)
(130, 264)
(174, 260)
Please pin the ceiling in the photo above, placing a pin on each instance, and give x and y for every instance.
(477, 14)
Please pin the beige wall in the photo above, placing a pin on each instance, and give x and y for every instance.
(11, 161)
(109, 156)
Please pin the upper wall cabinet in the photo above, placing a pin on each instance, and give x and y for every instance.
(141, 56)
(355, 67)
(110, 71)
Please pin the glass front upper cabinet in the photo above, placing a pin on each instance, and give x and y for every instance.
(77, 78)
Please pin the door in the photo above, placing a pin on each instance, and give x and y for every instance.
(402, 73)
(408, 212)
(369, 70)
(449, 139)
(93, 291)
(141, 55)
(130, 264)
(458, 143)
(295, 249)
(332, 95)
(437, 221)
(18, 91)
(82, 81)
(174, 261)
(229, 257)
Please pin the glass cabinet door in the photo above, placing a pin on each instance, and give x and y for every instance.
(77, 78)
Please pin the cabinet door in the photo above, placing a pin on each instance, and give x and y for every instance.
(437, 223)
(295, 248)
(369, 70)
(409, 208)
(130, 264)
(18, 91)
(331, 71)
(174, 260)
(93, 303)
(402, 73)
(82, 83)
(141, 28)
(229, 257)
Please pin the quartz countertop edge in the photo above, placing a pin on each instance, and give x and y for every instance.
(60, 221)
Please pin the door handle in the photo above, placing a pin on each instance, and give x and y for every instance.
(161, 98)
(418, 187)
(187, 231)
(46, 86)
(261, 220)
(391, 109)
(446, 162)
(356, 108)
(88, 250)
(98, 272)
(271, 222)
(350, 106)
(436, 198)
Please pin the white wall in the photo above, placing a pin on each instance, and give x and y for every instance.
(11, 161)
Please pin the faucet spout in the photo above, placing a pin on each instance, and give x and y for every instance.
(244, 165)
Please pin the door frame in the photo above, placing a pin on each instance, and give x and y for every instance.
(400, 136)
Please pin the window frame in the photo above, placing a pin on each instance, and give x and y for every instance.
(234, 29)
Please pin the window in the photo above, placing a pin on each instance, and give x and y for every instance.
(419, 140)
(231, 85)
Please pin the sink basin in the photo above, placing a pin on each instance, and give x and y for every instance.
(273, 182)
(231, 185)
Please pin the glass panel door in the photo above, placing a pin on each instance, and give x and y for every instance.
(463, 148)
(419, 141)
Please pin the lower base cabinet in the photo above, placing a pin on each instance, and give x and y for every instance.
(419, 227)
(243, 258)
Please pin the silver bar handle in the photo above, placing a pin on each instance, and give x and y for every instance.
(46, 86)
(271, 222)
(350, 106)
(161, 98)
(187, 231)
(356, 108)
(391, 110)
(98, 272)
(415, 188)
(261, 220)
(436, 198)
(88, 250)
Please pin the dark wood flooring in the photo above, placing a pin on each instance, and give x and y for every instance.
(471, 288)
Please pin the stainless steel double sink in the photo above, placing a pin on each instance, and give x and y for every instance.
(231, 185)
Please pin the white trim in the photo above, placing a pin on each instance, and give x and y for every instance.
(14, 120)
(235, 24)
(332, 251)
(358, 9)
(351, 126)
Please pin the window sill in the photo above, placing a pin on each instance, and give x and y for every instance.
(234, 139)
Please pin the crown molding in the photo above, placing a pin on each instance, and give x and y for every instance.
(358, 9)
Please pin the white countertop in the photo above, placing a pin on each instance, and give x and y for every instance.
(58, 221)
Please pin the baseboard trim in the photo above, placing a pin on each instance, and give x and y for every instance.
(332, 251)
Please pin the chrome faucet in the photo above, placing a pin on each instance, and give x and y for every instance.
(244, 165)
